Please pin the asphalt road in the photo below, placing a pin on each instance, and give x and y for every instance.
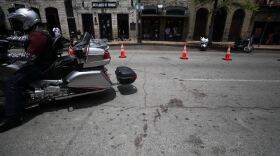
(201, 106)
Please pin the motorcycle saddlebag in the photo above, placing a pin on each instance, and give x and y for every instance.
(125, 75)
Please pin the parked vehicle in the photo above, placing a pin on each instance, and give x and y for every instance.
(80, 73)
(245, 45)
(203, 43)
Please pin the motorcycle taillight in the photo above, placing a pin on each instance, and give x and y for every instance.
(71, 51)
(106, 55)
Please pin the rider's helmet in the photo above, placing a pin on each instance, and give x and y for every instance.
(28, 17)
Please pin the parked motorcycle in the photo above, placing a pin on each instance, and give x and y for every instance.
(245, 45)
(203, 43)
(79, 73)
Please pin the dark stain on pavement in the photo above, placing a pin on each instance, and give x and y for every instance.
(224, 96)
(218, 150)
(197, 94)
(175, 103)
(144, 120)
(157, 116)
(164, 108)
(197, 152)
(164, 58)
(195, 140)
(145, 128)
(138, 141)
(115, 146)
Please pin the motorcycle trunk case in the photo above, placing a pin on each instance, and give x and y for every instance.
(125, 75)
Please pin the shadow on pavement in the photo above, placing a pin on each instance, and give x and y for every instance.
(71, 104)
(127, 89)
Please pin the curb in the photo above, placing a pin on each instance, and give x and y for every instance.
(193, 45)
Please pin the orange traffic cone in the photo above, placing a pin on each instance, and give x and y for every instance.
(122, 52)
(227, 56)
(184, 53)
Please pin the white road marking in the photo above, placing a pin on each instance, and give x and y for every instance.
(234, 80)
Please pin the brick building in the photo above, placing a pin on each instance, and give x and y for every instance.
(171, 20)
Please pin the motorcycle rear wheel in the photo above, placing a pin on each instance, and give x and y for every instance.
(248, 50)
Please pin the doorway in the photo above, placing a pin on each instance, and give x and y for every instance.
(52, 19)
(236, 25)
(150, 28)
(200, 23)
(87, 20)
(105, 25)
(123, 32)
(174, 29)
(219, 25)
(3, 29)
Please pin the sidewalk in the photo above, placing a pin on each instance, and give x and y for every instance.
(190, 44)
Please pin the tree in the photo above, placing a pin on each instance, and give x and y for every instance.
(219, 5)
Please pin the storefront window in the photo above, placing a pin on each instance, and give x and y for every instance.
(174, 29)
(150, 28)
(105, 25)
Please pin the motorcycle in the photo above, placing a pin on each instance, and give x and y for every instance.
(74, 74)
(246, 45)
(203, 43)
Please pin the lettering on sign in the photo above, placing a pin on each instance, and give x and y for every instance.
(104, 4)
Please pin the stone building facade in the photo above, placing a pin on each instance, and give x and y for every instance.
(111, 19)
(228, 25)
(41, 7)
(172, 20)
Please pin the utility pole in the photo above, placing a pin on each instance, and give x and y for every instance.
(138, 22)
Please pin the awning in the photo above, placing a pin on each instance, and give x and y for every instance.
(176, 10)
(149, 10)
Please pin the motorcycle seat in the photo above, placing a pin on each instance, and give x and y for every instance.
(58, 66)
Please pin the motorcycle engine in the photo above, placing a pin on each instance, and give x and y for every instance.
(48, 93)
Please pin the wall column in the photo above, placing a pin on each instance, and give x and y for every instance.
(191, 22)
(227, 25)
(248, 25)
(114, 17)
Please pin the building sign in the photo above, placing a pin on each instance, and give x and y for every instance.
(104, 4)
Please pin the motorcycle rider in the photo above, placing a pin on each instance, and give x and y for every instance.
(38, 49)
